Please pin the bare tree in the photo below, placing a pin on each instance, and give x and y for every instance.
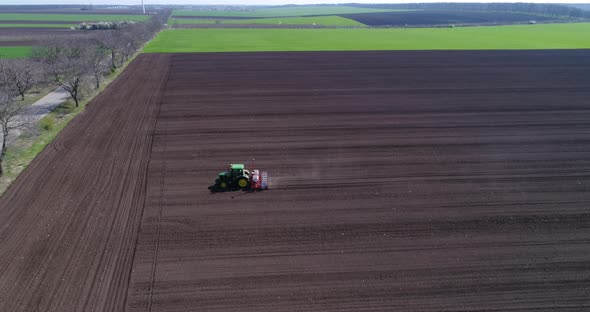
(113, 42)
(70, 63)
(127, 50)
(70, 69)
(97, 63)
(50, 50)
(10, 119)
(71, 73)
(21, 75)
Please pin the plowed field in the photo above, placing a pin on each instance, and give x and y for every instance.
(33, 36)
(433, 17)
(401, 181)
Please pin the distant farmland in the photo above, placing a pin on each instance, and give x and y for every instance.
(18, 25)
(434, 17)
(284, 11)
(71, 17)
(19, 32)
(318, 20)
(550, 36)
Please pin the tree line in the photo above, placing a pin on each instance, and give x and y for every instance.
(77, 64)
(520, 7)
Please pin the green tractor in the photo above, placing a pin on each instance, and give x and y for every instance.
(236, 178)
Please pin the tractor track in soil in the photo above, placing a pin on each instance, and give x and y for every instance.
(410, 181)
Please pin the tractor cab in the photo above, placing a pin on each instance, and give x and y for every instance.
(237, 170)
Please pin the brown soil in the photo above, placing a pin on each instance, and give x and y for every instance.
(434, 17)
(69, 222)
(34, 31)
(248, 26)
(218, 17)
(401, 181)
(15, 43)
(37, 22)
(6, 9)
(36, 36)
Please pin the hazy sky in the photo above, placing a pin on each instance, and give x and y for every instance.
(257, 2)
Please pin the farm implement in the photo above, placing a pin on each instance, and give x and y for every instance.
(239, 178)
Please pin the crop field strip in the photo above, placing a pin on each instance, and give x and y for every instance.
(318, 20)
(400, 180)
(34, 25)
(14, 50)
(308, 10)
(379, 18)
(69, 11)
(420, 18)
(547, 36)
(34, 22)
(70, 17)
(18, 40)
(438, 17)
(19, 32)
(24, 43)
(26, 32)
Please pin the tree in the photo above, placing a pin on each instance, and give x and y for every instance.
(97, 63)
(113, 42)
(70, 69)
(50, 50)
(132, 43)
(12, 116)
(21, 76)
(71, 74)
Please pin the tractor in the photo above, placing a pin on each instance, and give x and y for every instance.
(238, 178)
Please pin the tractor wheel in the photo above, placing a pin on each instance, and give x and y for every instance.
(223, 186)
(242, 183)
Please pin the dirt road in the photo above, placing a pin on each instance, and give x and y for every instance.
(402, 181)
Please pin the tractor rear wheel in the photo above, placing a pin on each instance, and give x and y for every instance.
(242, 183)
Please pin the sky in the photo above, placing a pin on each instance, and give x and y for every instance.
(258, 2)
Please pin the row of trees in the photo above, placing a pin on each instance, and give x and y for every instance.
(531, 8)
(10, 110)
(76, 64)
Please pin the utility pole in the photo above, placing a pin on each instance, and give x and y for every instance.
(143, 6)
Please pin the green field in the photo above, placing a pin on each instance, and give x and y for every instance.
(36, 25)
(548, 36)
(71, 17)
(284, 11)
(15, 52)
(319, 20)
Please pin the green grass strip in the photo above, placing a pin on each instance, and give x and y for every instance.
(546, 36)
(16, 52)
